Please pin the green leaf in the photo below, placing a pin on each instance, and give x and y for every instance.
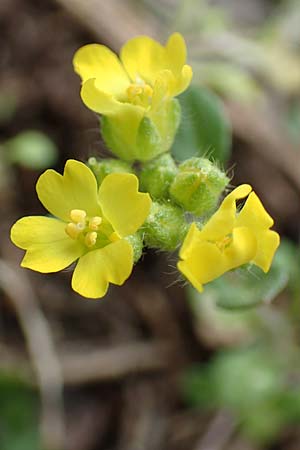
(219, 326)
(204, 129)
(19, 423)
(198, 388)
(251, 383)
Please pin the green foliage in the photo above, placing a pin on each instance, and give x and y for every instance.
(219, 326)
(32, 149)
(204, 129)
(252, 384)
(18, 415)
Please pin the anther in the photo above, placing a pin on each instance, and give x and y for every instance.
(224, 243)
(134, 90)
(148, 91)
(94, 223)
(78, 215)
(72, 230)
(90, 239)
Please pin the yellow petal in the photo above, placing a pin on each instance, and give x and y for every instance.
(168, 85)
(242, 249)
(143, 58)
(267, 244)
(49, 248)
(75, 189)
(161, 90)
(97, 61)
(98, 268)
(254, 215)
(183, 81)
(103, 103)
(186, 269)
(192, 239)
(204, 263)
(122, 205)
(176, 53)
(223, 221)
(180, 74)
(98, 100)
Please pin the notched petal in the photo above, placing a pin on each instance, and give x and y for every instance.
(122, 205)
(98, 268)
(75, 189)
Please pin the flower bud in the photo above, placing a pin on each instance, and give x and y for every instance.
(103, 167)
(157, 175)
(165, 227)
(198, 185)
(136, 241)
(140, 135)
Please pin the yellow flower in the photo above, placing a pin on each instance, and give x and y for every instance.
(89, 225)
(135, 92)
(229, 239)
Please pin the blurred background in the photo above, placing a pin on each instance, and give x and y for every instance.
(154, 365)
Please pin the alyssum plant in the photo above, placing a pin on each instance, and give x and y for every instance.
(103, 213)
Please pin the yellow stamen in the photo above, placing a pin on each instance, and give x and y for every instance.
(140, 94)
(73, 230)
(223, 243)
(134, 90)
(90, 239)
(148, 91)
(94, 223)
(78, 215)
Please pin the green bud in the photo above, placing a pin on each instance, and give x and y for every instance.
(165, 227)
(136, 240)
(157, 175)
(103, 167)
(198, 185)
(139, 134)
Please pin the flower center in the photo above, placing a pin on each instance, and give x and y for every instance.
(140, 94)
(223, 243)
(90, 230)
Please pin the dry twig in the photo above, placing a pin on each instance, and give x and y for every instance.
(143, 423)
(87, 366)
(41, 349)
(218, 433)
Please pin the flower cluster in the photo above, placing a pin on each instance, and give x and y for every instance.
(100, 220)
